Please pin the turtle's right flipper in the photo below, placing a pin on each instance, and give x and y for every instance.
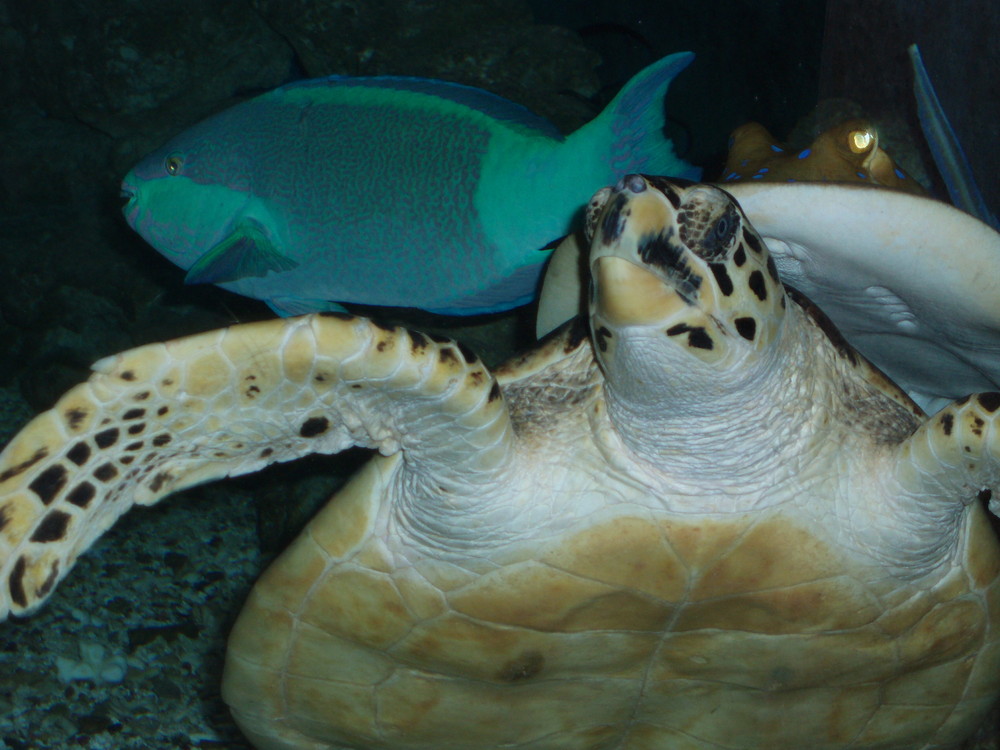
(161, 417)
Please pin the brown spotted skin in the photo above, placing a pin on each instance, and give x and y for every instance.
(165, 416)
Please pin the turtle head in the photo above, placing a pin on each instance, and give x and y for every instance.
(686, 307)
(680, 262)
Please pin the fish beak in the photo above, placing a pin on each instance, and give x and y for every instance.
(128, 189)
(129, 194)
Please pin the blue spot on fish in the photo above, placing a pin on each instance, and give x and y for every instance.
(805, 153)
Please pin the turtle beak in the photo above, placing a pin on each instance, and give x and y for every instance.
(626, 294)
(629, 290)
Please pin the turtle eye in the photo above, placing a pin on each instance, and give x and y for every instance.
(722, 228)
(725, 228)
(173, 164)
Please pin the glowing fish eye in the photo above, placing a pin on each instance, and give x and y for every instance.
(860, 140)
(173, 164)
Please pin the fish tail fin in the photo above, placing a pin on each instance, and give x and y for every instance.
(630, 130)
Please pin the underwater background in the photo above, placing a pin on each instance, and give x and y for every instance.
(128, 652)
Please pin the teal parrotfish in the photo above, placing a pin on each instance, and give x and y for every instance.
(388, 190)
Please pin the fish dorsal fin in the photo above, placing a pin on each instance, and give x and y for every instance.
(492, 105)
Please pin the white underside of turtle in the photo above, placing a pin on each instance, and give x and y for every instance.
(705, 523)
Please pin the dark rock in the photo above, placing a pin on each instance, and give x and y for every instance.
(120, 67)
(142, 636)
(493, 45)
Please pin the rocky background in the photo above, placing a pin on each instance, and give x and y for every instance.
(89, 87)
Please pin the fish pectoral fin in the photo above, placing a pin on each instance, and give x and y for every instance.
(246, 253)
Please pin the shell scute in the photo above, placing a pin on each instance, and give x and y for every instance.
(760, 661)
(532, 595)
(950, 629)
(773, 553)
(837, 712)
(366, 606)
(653, 568)
(799, 608)
(469, 648)
(552, 715)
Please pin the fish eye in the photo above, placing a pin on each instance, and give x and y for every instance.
(860, 141)
(173, 164)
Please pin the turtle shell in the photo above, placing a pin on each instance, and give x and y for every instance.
(624, 630)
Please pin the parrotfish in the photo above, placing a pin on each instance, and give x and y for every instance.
(388, 190)
(848, 152)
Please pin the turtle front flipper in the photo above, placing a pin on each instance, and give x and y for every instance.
(950, 461)
(156, 419)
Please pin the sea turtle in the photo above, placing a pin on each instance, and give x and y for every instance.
(707, 524)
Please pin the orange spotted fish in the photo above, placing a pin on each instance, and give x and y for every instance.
(848, 152)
